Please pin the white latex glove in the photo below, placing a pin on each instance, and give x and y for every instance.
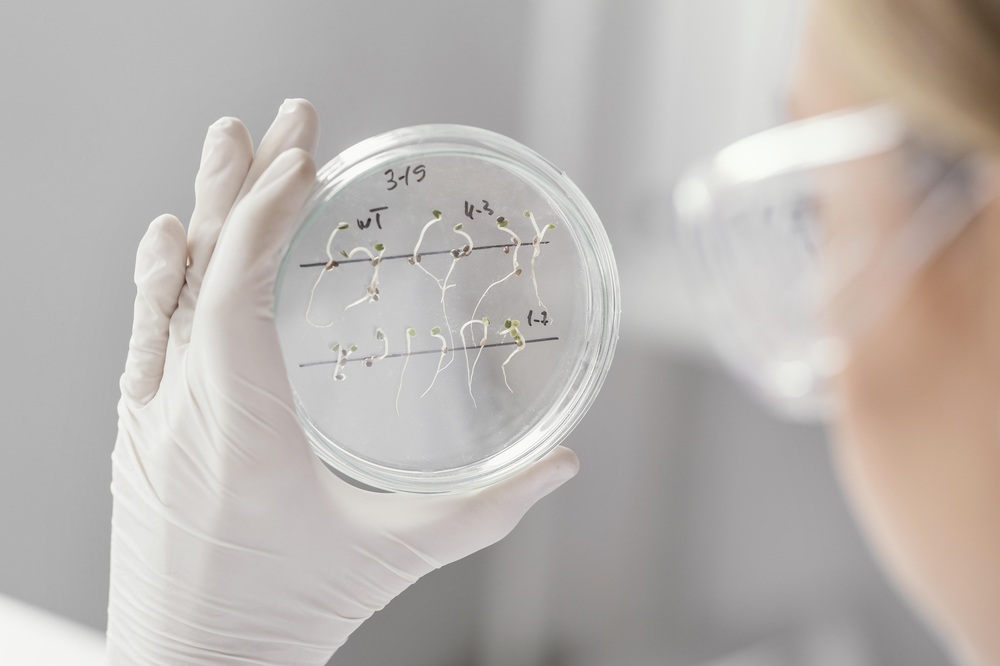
(231, 542)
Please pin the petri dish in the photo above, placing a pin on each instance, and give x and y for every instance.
(448, 307)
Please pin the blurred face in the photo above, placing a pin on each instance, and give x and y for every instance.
(918, 434)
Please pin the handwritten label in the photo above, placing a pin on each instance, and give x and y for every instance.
(367, 222)
(471, 209)
(542, 319)
(394, 179)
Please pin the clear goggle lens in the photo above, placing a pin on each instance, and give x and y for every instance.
(796, 239)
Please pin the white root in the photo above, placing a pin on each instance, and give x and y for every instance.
(410, 334)
(511, 328)
(470, 371)
(502, 224)
(436, 332)
(457, 254)
(443, 285)
(536, 244)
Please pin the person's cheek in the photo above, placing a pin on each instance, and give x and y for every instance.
(916, 439)
(926, 355)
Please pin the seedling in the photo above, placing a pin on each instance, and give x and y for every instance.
(503, 225)
(343, 353)
(536, 244)
(465, 251)
(383, 338)
(436, 332)
(372, 292)
(330, 265)
(510, 327)
(410, 334)
(442, 284)
(415, 259)
(471, 371)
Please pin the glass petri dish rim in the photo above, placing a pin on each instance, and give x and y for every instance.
(603, 299)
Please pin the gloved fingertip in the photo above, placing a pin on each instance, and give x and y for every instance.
(164, 233)
(498, 508)
(165, 224)
(164, 246)
(225, 123)
(562, 464)
(225, 140)
(297, 105)
(232, 126)
(299, 118)
(520, 492)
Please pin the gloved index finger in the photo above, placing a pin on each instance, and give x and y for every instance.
(225, 164)
(225, 161)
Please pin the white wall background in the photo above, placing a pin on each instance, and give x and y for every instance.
(700, 530)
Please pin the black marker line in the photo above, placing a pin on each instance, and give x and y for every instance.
(408, 256)
(425, 351)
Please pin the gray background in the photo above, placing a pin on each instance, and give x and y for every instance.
(699, 531)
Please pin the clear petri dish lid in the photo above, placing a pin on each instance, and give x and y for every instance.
(448, 308)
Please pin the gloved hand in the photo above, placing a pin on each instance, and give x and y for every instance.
(231, 542)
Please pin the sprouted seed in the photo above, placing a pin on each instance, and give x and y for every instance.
(470, 371)
(469, 245)
(457, 254)
(410, 334)
(436, 332)
(372, 292)
(503, 224)
(330, 265)
(381, 337)
(384, 339)
(442, 284)
(415, 259)
(343, 354)
(510, 327)
(536, 244)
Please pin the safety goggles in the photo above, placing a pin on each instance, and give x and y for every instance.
(796, 240)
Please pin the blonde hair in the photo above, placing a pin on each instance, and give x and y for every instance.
(939, 58)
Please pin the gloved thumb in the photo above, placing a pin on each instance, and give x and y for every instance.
(499, 508)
